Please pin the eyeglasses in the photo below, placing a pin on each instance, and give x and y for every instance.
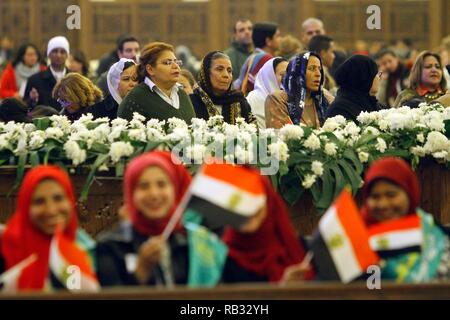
(63, 102)
(170, 62)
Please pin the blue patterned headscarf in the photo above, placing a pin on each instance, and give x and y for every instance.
(294, 83)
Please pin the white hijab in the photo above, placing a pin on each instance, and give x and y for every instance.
(113, 78)
(265, 83)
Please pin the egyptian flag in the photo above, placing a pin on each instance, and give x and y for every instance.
(9, 280)
(397, 236)
(341, 243)
(71, 265)
(225, 194)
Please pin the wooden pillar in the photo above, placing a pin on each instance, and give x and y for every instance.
(85, 33)
(35, 32)
(435, 20)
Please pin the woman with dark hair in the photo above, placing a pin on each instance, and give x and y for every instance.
(302, 100)
(26, 63)
(158, 95)
(135, 252)
(358, 79)
(78, 63)
(214, 94)
(426, 81)
(267, 81)
(391, 196)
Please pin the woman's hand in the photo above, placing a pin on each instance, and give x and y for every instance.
(148, 256)
(295, 273)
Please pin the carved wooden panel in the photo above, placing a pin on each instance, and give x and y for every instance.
(14, 20)
(285, 13)
(151, 22)
(53, 17)
(188, 24)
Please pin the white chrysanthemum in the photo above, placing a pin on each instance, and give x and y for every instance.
(37, 139)
(116, 132)
(120, 149)
(230, 131)
(137, 117)
(381, 145)
(418, 151)
(179, 134)
(441, 155)
(177, 123)
(74, 152)
(53, 133)
(198, 123)
(436, 142)
(101, 132)
(330, 149)
(291, 132)
(351, 129)
(317, 168)
(119, 122)
(363, 156)
(215, 121)
(420, 137)
(29, 127)
(309, 180)
(196, 153)
(372, 130)
(330, 125)
(279, 150)
(313, 142)
(244, 137)
(137, 134)
(154, 134)
(4, 142)
(86, 119)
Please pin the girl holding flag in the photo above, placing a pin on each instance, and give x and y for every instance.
(414, 248)
(43, 233)
(136, 252)
(265, 246)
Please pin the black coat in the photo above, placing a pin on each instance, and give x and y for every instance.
(202, 113)
(120, 245)
(105, 108)
(44, 82)
(350, 104)
(234, 273)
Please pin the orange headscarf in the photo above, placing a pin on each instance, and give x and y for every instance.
(22, 238)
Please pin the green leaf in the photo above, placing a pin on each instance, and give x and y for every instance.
(42, 123)
(326, 192)
(339, 179)
(99, 148)
(101, 158)
(47, 153)
(34, 159)
(351, 155)
(20, 172)
(120, 168)
(151, 145)
(352, 176)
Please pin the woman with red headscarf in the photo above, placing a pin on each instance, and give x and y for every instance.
(45, 202)
(135, 252)
(391, 193)
(265, 246)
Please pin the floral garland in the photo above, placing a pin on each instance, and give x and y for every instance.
(322, 161)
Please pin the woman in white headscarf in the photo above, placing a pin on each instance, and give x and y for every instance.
(267, 81)
(122, 77)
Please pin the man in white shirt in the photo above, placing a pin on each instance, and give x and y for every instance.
(40, 86)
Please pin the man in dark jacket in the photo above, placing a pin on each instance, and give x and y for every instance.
(242, 45)
(127, 47)
(40, 86)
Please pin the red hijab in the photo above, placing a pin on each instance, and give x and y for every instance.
(178, 175)
(22, 238)
(272, 248)
(394, 170)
